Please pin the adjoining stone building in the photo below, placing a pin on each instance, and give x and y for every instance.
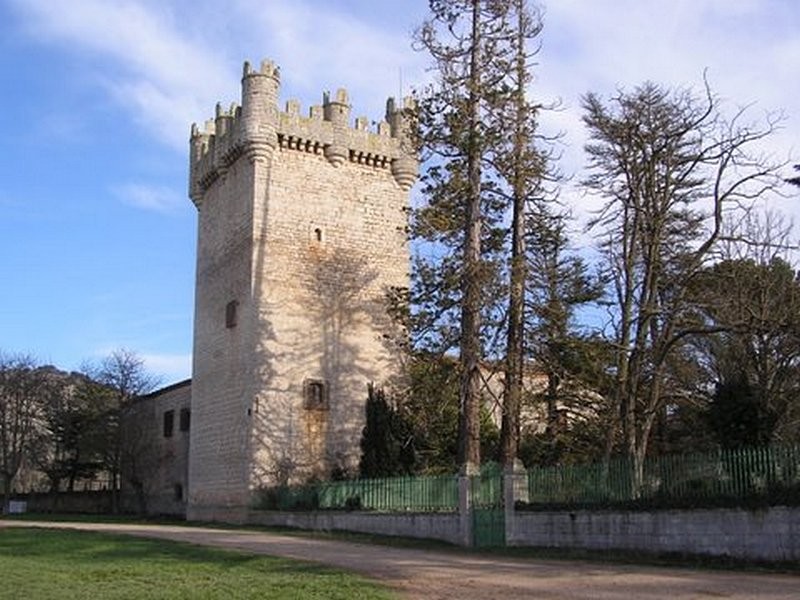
(154, 448)
(301, 239)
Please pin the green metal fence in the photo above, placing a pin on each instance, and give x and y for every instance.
(733, 477)
(396, 494)
(770, 474)
(488, 516)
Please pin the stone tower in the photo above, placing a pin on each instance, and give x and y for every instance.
(301, 236)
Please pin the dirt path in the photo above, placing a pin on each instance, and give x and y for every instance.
(432, 575)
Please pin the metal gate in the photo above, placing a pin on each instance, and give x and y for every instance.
(488, 515)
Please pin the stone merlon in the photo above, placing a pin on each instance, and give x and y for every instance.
(257, 128)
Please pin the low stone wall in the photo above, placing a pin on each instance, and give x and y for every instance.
(771, 534)
(90, 502)
(235, 515)
(96, 502)
(433, 526)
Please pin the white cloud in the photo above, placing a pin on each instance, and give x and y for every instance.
(749, 47)
(155, 198)
(320, 46)
(170, 367)
(144, 38)
(168, 63)
(147, 63)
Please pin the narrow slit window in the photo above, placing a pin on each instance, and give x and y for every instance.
(318, 234)
(231, 310)
(185, 419)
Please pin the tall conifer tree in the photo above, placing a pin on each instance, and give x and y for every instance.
(485, 169)
(468, 42)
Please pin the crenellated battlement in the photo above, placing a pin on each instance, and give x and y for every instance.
(267, 69)
(256, 128)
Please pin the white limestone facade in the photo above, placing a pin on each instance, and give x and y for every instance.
(301, 237)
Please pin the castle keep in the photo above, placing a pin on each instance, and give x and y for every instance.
(301, 236)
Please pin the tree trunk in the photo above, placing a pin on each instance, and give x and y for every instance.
(7, 482)
(469, 431)
(509, 432)
(114, 483)
(141, 497)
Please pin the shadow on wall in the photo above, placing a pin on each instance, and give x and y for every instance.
(312, 428)
(143, 455)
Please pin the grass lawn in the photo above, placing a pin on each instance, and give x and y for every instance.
(45, 564)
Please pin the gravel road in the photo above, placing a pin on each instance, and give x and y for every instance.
(441, 575)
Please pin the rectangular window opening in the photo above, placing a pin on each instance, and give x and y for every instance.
(315, 394)
(169, 423)
(185, 419)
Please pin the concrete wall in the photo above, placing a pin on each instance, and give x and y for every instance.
(771, 535)
(431, 526)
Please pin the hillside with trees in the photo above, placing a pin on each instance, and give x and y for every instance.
(59, 431)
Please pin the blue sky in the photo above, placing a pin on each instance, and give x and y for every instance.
(97, 235)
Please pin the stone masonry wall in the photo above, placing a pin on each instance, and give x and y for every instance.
(336, 245)
(222, 372)
(302, 226)
(430, 526)
(155, 457)
(771, 534)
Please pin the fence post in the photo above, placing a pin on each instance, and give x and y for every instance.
(515, 487)
(465, 509)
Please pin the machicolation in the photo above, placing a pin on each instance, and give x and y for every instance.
(248, 128)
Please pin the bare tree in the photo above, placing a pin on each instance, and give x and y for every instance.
(669, 166)
(21, 390)
(796, 179)
(122, 378)
(123, 371)
(751, 365)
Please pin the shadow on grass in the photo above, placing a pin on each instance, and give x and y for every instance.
(622, 557)
(47, 563)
